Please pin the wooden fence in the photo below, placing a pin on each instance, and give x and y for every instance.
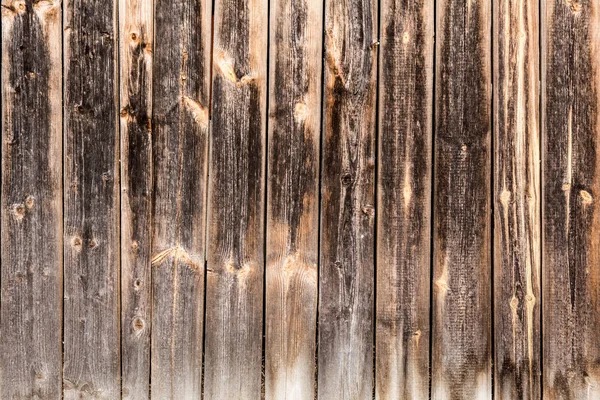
(290, 199)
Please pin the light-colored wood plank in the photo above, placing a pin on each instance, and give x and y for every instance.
(235, 258)
(136, 34)
(346, 294)
(31, 201)
(92, 365)
(517, 238)
(293, 200)
(462, 303)
(180, 128)
(404, 199)
(571, 185)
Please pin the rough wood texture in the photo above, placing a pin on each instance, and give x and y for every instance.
(517, 246)
(571, 248)
(234, 298)
(31, 201)
(346, 294)
(180, 127)
(92, 365)
(135, 49)
(404, 199)
(293, 201)
(461, 331)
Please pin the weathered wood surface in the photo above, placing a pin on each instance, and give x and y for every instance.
(92, 364)
(180, 128)
(293, 201)
(346, 294)
(517, 202)
(135, 51)
(571, 219)
(462, 312)
(404, 199)
(31, 201)
(235, 252)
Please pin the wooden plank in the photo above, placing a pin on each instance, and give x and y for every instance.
(180, 127)
(31, 201)
(136, 25)
(91, 202)
(517, 246)
(404, 199)
(293, 201)
(235, 258)
(571, 218)
(346, 294)
(461, 331)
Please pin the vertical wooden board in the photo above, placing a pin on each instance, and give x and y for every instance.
(404, 199)
(292, 202)
(91, 202)
(571, 183)
(234, 298)
(461, 331)
(517, 246)
(135, 50)
(180, 127)
(346, 294)
(31, 201)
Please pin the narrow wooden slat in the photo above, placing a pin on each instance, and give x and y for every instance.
(135, 52)
(346, 294)
(517, 246)
(571, 217)
(91, 202)
(461, 331)
(404, 199)
(31, 201)
(180, 127)
(234, 297)
(293, 201)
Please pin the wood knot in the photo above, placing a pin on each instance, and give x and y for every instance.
(29, 202)
(18, 211)
(368, 210)
(76, 243)
(138, 325)
(586, 197)
(346, 179)
(137, 284)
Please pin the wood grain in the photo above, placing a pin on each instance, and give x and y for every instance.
(346, 293)
(462, 313)
(293, 201)
(517, 233)
(136, 25)
(404, 199)
(180, 128)
(91, 202)
(571, 218)
(235, 258)
(31, 201)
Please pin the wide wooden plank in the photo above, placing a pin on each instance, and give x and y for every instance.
(517, 246)
(404, 199)
(571, 218)
(293, 201)
(235, 258)
(31, 201)
(180, 127)
(136, 25)
(461, 331)
(92, 365)
(346, 294)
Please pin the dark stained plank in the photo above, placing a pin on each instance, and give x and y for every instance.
(92, 365)
(517, 233)
(135, 52)
(235, 252)
(404, 199)
(31, 201)
(180, 128)
(293, 201)
(462, 306)
(346, 294)
(571, 218)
